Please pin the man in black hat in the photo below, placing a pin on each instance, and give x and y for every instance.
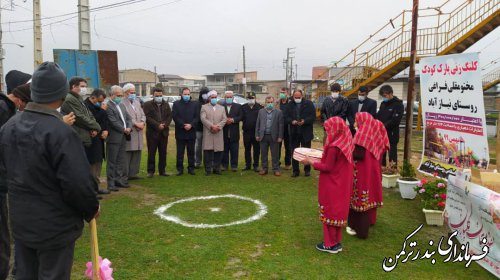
(250, 114)
(48, 196)
(362, 104)
(14, 100)
(335, 105)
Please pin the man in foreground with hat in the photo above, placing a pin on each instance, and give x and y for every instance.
(48, 196)
(9, 104)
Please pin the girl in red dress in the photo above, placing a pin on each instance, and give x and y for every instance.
(370, 142)
(335, 183)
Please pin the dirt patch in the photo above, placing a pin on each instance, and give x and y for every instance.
(149, 199)
(233, 263)
(259, 251)
(240, 274)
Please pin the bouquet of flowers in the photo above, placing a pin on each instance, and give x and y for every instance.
(432, 194)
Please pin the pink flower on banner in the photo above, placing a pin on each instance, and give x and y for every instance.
(440, 185)
(422, 190)
(105, 271)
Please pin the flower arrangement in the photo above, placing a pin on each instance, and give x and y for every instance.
(390, 169)
(432, 194)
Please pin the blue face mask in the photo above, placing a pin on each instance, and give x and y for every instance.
(385, 99)
(158, 99)
(269, 106)
(117, 100)
(213, 101)
(186, 98)
(97, 104)
(229, 101)
(132, 96)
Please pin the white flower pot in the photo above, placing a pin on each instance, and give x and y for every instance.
(389, 181)
(433, 217)
(407, 188)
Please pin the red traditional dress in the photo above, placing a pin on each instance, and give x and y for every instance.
(370, 143)
(335, 180)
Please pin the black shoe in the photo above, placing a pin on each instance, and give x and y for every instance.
(256, 169)
(307, 174)
(103, 192)
(295, 175)
(150, 175)
(135, 178)
(246, 168)
(164, 174)
(217, 172)
(179, 173)
(234, 169)
(99, 197)
(191, 172)
(120, 185)
(113, 189)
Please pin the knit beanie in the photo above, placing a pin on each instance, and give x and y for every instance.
(16, 78)
(23, 92)
(49, 83)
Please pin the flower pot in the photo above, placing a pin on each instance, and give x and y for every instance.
(407, 188)
(389, 181)
(433, 217)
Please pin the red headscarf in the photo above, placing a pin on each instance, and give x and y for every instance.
(371, 134)
(339, 135)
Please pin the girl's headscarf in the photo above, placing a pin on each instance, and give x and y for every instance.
(339, 135)
(371, 134)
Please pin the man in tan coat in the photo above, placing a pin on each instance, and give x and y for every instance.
(135, 144)
(213, 117)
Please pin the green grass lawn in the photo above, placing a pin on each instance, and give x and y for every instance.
(278, 246)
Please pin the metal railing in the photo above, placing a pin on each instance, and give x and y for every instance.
(441, 31)
(491, 79)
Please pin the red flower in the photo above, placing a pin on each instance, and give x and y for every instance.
(435, 174)
(423, 181)
(443, 196)
(441, 204)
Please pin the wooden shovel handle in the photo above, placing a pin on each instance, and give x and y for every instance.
(94, 250)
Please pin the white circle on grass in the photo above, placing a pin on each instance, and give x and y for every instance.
(261, 212)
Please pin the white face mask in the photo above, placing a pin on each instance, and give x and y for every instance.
(361, 98)
(335, 95)
(83, 91)
(251, 101)
(298, 100)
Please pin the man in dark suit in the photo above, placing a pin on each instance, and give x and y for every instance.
(250, 113)
(284, 100)
(158, 118)
(119, 127)
(186, 115)
(269, 132)
(390, 113)
(362, 104)
(234, 115)
(300, 116)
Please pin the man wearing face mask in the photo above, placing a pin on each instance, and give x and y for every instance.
(214, 119)
(362, 104)
(300, 117)
(234, 115)
(250, 113)
(9, 104)
(135, 145)
(283, 106)
(390, 113)
(95, 153)
(186, 116)
(85, 124)
(158, 118)
(269, 133)
(198, 154)
(119, 127)
(334, 106)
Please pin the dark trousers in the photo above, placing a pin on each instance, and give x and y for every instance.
(44, 264)
(288, 148)
(212, 160)
(267, 144)
(4, 237)
(183, 145)
(249, 141)
(157, 142)
(393, 153)
(230, 149)
(298, 141)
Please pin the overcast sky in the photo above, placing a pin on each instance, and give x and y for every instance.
(200, 37)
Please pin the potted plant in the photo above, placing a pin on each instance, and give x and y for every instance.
(408, 181)
(433, 197)
(390, 175)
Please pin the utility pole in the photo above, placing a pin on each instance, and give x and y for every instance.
(411, 82)
(287, 59)
(1, 56)
(291, 75)
(37, 35)
(244, 81)
(84, 25)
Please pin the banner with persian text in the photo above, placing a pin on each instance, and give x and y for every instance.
(453, 113)
(473, 212)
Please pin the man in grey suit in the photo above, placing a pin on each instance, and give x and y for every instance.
(119, 127)
(269, 132)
